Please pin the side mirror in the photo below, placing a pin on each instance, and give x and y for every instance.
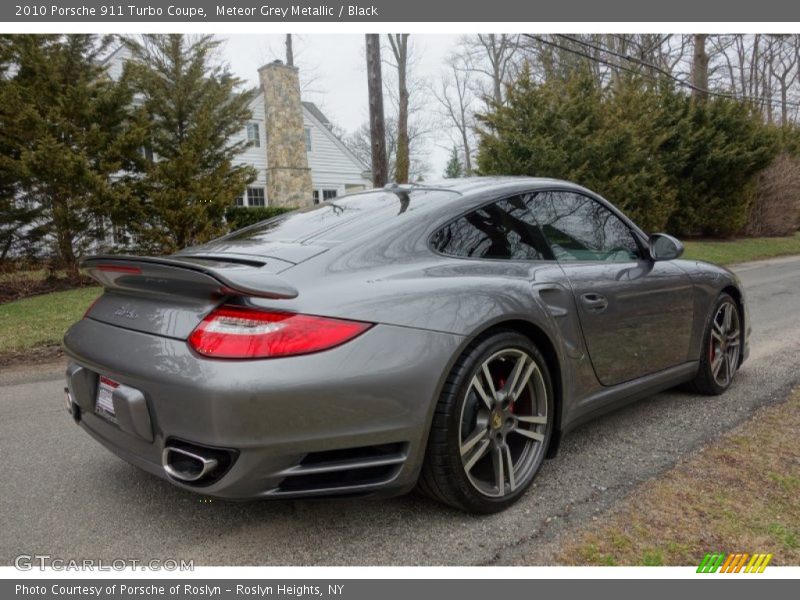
(664, 247)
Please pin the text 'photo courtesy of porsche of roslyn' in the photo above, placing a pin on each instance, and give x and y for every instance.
(301, 291)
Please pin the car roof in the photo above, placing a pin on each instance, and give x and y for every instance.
(471, 185)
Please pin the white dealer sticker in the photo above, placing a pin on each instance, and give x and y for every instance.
(104, 405)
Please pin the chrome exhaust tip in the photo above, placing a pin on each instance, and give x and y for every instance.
(72, 407)
(185, 465)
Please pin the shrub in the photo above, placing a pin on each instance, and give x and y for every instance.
(776, 206)
(242, 216)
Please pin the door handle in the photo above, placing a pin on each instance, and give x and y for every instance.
(594, 302)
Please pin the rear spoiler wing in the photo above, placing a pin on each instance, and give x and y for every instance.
(184, 276)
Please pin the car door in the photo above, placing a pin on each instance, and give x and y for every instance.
(636, 314)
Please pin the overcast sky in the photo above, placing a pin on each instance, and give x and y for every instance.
(333, 73)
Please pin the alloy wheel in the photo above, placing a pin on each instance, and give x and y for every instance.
(503, 423)
(724, 343)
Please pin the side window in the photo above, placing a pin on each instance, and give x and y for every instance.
(579, 228)
(503, 230)
(253, 137)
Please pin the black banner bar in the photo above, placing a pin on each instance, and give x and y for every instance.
(210, 11)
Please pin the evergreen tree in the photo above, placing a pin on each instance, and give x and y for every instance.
(570, 129)
(668, 161)
(196, 114)
(454, 168)
(65, 134)
(13, 216)
(724, 144)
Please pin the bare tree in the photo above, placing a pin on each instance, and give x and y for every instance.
(761, 69)
(492, 55)
(399, 45)
(377, 126)
(456, 102)
(783, 69)
(359, 144)
(292, 49)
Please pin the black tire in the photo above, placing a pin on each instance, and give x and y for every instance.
(705, 382)
(444, 477)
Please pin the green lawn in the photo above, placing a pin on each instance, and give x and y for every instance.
(42, 320)
(741, 250)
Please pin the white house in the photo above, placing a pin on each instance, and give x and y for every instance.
(334, 170)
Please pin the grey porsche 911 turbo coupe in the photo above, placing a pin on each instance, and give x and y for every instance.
(444, 337)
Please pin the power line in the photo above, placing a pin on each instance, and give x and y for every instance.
(640, 62)
(584, 55)
(681, 82)
(649, 66)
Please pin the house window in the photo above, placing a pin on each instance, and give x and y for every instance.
(252, 134)
(315, 194)
(307, 131)
(329, 194)
(239, 201)
(255, 196)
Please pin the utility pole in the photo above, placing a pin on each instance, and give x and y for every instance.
(700, 67)
(377, 126)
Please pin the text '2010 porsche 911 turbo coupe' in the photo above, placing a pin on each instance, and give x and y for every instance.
(444, 337)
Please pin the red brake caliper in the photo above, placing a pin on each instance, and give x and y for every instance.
(502, 383)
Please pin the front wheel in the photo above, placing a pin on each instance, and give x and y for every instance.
(492, 425)
(722, 346)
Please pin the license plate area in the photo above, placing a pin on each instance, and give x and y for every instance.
(104, 402)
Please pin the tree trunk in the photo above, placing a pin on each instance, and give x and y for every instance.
(784, 104)
(467, 151)
(377, 127)
(289, 50)
(6, 248)
(63, 232)
(399, 43)
(700, 67)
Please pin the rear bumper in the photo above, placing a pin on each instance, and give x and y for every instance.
(349, 420)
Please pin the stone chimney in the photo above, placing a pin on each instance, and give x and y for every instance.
(288, 175)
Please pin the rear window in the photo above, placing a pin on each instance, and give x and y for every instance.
(335, 220)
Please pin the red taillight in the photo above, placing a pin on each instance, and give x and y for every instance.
(241, 332)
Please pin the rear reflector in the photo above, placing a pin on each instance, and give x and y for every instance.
(241, 332)
(119, 269)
